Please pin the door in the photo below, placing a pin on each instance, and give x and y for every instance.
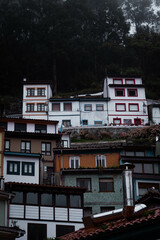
(37, 231)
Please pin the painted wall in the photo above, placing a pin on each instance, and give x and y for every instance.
(156, 115)
(86, 160)
(96, 199)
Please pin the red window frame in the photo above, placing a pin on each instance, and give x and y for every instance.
(114, 79)
(121, 104)
(117, 89)
(135, 89)
(138, 119)
(133, 104)
(116, 119)
(128, 79)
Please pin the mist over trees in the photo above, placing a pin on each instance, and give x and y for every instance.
(75, 43)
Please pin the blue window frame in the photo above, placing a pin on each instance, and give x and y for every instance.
(99, 107)
(88, 107)
(98, 123)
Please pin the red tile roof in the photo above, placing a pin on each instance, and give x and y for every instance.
(112, 227)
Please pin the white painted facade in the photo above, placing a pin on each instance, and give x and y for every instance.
(155, 108)
(122, 102)
(19, 176)
(127, 105)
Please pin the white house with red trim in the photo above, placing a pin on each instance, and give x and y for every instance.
(127, 105)
(123, 102)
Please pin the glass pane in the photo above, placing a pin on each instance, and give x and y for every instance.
(11, 167)
(46, 199)
(61, 200)
(32, 198)
(138, 167)
(110, 187)
(72, 163)
(15, 167)
(148, 168)
(156, 168)
(18, 197)
(77, 163)
(129, 153)
(75, 201)
(102, 187)
(25, 168)
(140, 154)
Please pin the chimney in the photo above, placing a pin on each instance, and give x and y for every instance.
(128, 200)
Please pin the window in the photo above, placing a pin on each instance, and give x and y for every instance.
(133, 107)
(144, 186)
(137, 121)
(30, 107)
(88, 107)
(13, 167)
(106, 185)
(99, 107)
(61, 200)
(66, 123)
(55, 106)
(67, 106)
(46, 199)
(31, 198)
(138, 168)
(117, 121)
(74, 162)
(40, 107)
(121, 107)
(139, 154)
(119, 92)
(7, 145)
(148, 168)
(117, 81)
(84, 182)
(62, 230)
(39, 128)
(98, 123)
(18, 198)
(100, 161)
(107, 209)
(46, 149)
(28, 169)
(37, 231)
(87, 211)
(30, 92)
(20, 127)
(129, 153)
(132, 93)
(41, 92)
(129, 81)
(127, 121)
(3, 125)
(84, 122)
(65, 143)
(75, 201)
(26, 146)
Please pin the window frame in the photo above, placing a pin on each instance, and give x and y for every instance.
(84, 121)
(98, 123)
(20, 124)
(56, 104)
(102, 158)
(99, 105)
(130, 79)
(28, 173)
(120, 89)
(64, 106)
(25, 150)
(40, 107)
(30, 92)
(87, 106)
(64, 121)
(133, 104)
(117, 79)
(114, 119)
(74, 158)
(13, 172)
(40, 129)
(133, 89)
(83, 183)
(30, 107)
(41, 92)
(105, 181)
(7, 149)
(120, 104)
(46, 152)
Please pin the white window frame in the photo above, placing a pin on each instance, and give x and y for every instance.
(100, 161)
(74, 159)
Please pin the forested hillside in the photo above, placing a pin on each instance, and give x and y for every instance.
(76, 43)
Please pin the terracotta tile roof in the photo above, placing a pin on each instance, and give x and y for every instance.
(112, 227)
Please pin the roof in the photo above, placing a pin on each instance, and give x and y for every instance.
(151, 196)
(82, 99)
(108, 230)
(33, 135)
(127, 85)
(38, 155)
(25, 120)
(11, 232)
(37, 82)
(43, 188)
(88, 171)
(139, 159)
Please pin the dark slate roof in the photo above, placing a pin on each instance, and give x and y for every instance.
(25, 120)
(33, 135)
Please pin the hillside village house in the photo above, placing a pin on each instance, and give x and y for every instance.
(45, 211)
(123, 102)
(28, 154)
(96, 168)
